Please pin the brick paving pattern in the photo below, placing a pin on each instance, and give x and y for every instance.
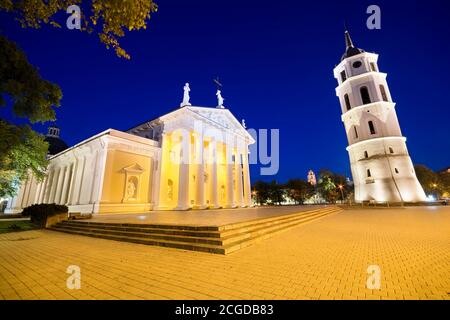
(325, 259)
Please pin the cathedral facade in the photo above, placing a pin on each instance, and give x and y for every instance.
(191, 158)
(380, 163)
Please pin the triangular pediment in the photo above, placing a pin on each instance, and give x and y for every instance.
(134, 168)
(222, 118)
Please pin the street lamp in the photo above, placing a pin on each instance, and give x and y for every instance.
(341, 187)
(434, 185)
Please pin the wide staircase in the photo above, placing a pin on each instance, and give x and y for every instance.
(213, 239)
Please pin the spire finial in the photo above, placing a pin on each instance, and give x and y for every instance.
(348, 40)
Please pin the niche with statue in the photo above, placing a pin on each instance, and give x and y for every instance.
(133, 175)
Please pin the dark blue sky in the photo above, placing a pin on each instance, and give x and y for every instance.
(275, 59)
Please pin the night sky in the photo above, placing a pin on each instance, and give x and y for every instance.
(275, 60)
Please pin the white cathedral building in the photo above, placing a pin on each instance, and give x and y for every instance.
(191, 158)
(380, 163)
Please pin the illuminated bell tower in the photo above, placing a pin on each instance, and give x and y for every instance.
(381, 166)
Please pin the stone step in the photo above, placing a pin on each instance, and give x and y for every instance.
(248, 228)
(269, 232)
(240, 225)
(187, 230)
(142, 229)
(148, 226)
(161, 243)
(223, 238)
(216, 238)
(227, 240)
(153, 236)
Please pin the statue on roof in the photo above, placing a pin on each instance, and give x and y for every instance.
(220, 100)
(186, 96)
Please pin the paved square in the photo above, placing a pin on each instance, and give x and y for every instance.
(325, 259)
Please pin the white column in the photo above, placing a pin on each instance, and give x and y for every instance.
(200, 162)
(59, 187)
(160, 190)
(95, 178)
(230, 178)
(81, 178)
(240, 196)
(214, 187)
(54, 188)
(73, 177)
(38, 192)
(65, 186)
(183, 179)
(97, 184)
(247, 185)
(26, 197)
(41, 190)
(48, 187)
(20, 195)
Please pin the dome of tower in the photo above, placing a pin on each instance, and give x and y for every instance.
(351, 50)
(55, 143)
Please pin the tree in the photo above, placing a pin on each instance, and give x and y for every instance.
(276, 193)
(437, 184)
(428, 179)
(444, 181)
(299, 190)
(32, 97)
(110, 19)
(23, 151)
(262, 192)
(328, 189)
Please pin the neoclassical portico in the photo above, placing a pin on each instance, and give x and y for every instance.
(204, 159)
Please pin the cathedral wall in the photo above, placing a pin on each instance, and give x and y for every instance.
(82, 175)
(127, 182)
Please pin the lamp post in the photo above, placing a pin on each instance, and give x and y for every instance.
(341, 187)
(434, 185)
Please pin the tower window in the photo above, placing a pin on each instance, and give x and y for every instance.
(365, 95)
(347, 102)
(366, 154)
(357, 64)
(396, 171)
(391, 150)
(372, 128)
(356, 132)
(369, 174)
(373, 67)
(343, 76)
(383, 93)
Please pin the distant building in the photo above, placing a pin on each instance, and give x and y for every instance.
(349, 182)
(312, 178)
